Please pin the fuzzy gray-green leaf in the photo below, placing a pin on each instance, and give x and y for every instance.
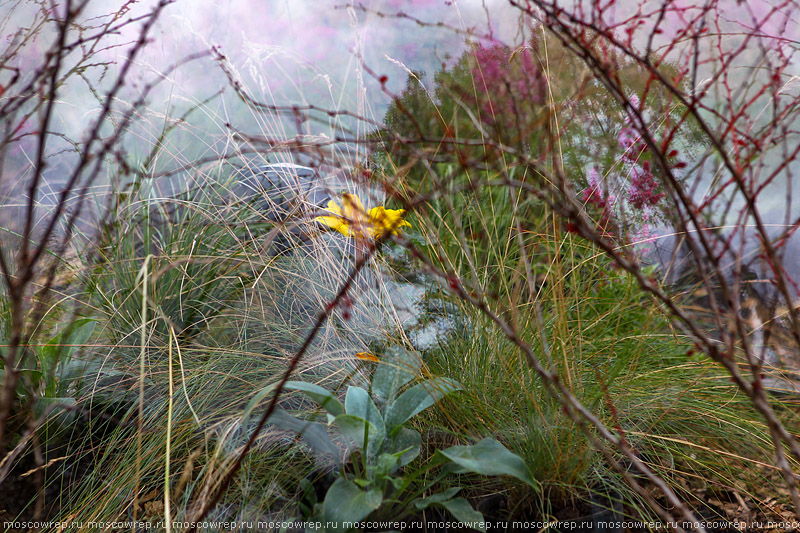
(358, 403)
(321, 395)
(417, 399)
(346, 502)
(464, 513)
(397, 367)
(490, 458)
(409, 440)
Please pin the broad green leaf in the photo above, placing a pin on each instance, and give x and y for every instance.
(358, 403)
(439, 497)
(417, 399)
(353, 427)
(464, 513)
(397, 367)
(33, 376)
(321, 395)
(75, 372)
(314, 433)
(387, 464)
(345, 502)
(287, 523)
(490, 458)
(58, 406)
(66, 343)
(308, 497)
(60, 349)
(254, 401)
(409, 442)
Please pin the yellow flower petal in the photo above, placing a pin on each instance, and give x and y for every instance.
(351, 219)
(353, 208)
(355, 215)
(334, 208)
(383, 220)
(334, 222)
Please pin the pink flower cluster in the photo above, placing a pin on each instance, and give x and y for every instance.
(644, 192)
(595, 196)
(510, 81)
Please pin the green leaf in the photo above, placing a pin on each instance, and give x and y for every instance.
(60, 349)
(387, 464)
(75, 372)
(322, 396)
(409, 442)
(490, 458)
(42, 404)
(314, 433)
(67, 342)
(417, 399)
(398, 366)
(464, 513)
(345, 502)
(308, 497)
(353, 427)
(423, 503)
(460, 508)
(32, 375)
(358, 403)
(254, 401)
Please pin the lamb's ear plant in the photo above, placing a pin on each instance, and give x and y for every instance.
(383, 477)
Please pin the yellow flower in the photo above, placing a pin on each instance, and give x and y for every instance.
(383, 220)
(353, 220)
(348, 220)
